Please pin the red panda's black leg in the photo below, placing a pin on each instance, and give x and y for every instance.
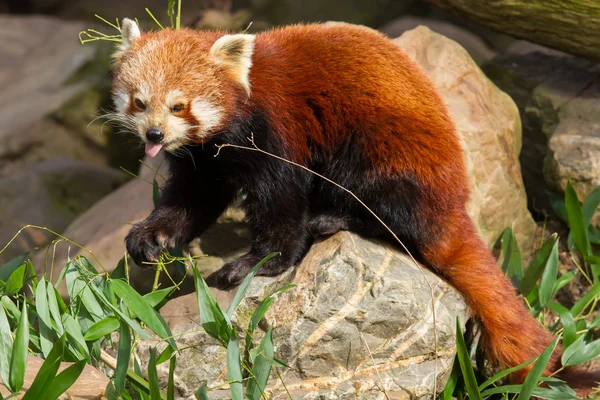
(190, 203)
(277, 219)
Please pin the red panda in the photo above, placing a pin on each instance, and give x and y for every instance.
(345, 102)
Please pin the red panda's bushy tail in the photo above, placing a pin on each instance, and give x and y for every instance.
(511, 335)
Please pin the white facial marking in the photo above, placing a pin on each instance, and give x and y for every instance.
(173, 97)
(208, 115)
(121, 100)
(177, 128)
(143, 93)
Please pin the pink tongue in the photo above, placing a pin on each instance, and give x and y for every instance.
(153, 149)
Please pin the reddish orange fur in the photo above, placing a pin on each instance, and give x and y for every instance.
(418, 137)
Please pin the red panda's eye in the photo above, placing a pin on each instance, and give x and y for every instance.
(177, 107)
(139, 104)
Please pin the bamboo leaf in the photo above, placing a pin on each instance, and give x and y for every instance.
(536, 266)
(234, 368)
(576, 222)
(531, 382)
(47, 372)
(123, 356)
(590, 205)
(549, 276)
(212, 317)
(261, 368)
(7, 269)
(570, 330)
(153, 377)
(43, 312)
(464, 360)
(241, 292)
(18, 360)
(102, 328)
(6, 346)
(64, 380)
(136, 303)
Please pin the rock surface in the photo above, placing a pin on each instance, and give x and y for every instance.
(477, 48)
(44, 53)
(559, 98)
(49, 194)
(488, 123)
(358, 323)
(90, 385)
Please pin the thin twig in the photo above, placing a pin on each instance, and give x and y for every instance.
(376, 369)
(431, 291)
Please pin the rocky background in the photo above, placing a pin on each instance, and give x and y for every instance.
(528, 115)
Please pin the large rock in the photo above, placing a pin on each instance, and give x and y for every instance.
(489, 125)
(475, 45)
(358, 322)
(49, 194)
(559, 98)
(45, 140)
(44, 53)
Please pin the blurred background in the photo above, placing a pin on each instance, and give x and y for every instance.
(64, 168)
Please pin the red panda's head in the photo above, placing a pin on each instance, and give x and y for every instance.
(174, 87)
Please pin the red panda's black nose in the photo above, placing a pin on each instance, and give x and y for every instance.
(154, 135)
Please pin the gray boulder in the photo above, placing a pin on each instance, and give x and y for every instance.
(559, 98)
(359, 322)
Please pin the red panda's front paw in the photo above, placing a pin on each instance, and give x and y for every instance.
(145, 242)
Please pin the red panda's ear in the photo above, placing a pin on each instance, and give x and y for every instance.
(235, 53)
(129, 33)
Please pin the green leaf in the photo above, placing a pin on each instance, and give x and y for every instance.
(155, 193)
(53, 305)
(241, 292)
(261, 368)
(47, 372)
(558, 205)
(576, 223)
(511, 264)
(155, 297)
(536, 266)
(502, 374)
(585, 300)
(234, 368)
(123, 356)
(171, 381)
(212, 317)
(7, 269)
(102, 328)
(201, 393)
(532, 379)
(580, 352)
(570, 330)
(136, 303)
(132, 323)
(43, 311)
(153, 377)
(590, 205)
(64, 380)
(79, 290)
(18, 360)
(549, 276)
(464, 360)
(264, 306)
(75, 338)
(119, 271)
(15, 282)
(452, 381)
(165, 355)
(6, 346)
